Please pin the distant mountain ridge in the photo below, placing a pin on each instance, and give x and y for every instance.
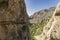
(37, 17)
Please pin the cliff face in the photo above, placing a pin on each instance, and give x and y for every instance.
(44, 14)
(52, 30)
(13, 20)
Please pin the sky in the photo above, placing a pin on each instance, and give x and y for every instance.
(33, 6)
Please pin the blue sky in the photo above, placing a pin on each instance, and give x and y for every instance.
(36, 5)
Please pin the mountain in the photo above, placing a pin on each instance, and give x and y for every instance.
(44, 14)
(39, 20)
(52, 30)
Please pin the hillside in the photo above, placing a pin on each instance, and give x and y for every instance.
(37, 17)
(43, 16)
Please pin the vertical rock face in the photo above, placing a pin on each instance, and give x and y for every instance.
(52, 30)
(13, 20)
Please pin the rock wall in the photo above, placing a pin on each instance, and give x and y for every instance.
(52, 30)
(13, 20)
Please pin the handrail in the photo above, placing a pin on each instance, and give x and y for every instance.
(11, 22)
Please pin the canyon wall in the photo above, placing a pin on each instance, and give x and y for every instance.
(14, 24)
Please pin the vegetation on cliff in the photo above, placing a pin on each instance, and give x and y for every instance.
(36, 29)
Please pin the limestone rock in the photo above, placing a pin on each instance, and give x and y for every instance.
(44, 14)
(52, 30)
(13, 20)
